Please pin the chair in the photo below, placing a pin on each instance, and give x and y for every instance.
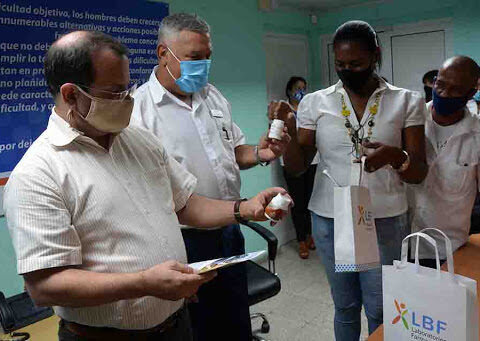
(262, 283)
(19, 311)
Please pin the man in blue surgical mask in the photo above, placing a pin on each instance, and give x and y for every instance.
(194, 121)
(446, 197)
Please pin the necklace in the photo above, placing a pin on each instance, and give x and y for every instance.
(356, 134)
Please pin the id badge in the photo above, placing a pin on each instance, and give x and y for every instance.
(217, 113)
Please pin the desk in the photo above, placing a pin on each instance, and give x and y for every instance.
(44, 330)
(466, 260)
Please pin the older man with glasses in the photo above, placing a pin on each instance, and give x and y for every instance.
(94, 206)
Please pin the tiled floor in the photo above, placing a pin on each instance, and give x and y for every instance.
(303, 310)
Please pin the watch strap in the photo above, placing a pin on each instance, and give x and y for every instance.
(405, 164)
(260, 162)
(236, 211)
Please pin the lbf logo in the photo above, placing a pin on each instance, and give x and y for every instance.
(365, 216)
(402, 311)
(424, 322)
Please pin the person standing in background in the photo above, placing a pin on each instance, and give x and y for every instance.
(361, 115)
(194, 122)
(300, 187)
(427, 81)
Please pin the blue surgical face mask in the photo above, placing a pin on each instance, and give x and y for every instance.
(298, 95)
(193, 74)
(446, 106)
(476, 97)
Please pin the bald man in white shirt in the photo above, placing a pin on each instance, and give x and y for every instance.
(445, 199)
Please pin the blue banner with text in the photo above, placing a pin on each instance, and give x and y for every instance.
(27, 28)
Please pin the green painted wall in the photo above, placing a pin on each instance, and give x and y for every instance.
(464, 15)
(10, 282)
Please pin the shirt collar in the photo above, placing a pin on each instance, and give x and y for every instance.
(59, 132)
(159, 93)
(469, 124)
(156, 89)
(382, 85)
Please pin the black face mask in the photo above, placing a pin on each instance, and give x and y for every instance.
(428, 93)
(355, 80)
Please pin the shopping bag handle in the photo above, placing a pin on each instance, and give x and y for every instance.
(362, 166)
(448, 249)
(357, 173)
(428, 239)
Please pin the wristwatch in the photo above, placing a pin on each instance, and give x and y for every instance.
(260, 162)
(236, 211)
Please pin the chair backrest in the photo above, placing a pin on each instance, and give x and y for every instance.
(19, 311)
(271, 240)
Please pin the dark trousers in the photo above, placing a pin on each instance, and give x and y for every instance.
(222, 310)
(300, 188)
(180, 331)
(430, 262)
(475, 218)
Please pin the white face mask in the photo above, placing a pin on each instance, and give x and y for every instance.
(110, 115)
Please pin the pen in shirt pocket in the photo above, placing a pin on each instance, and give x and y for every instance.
(227, 136)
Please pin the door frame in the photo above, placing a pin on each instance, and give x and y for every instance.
(284, 230)
(443, 24)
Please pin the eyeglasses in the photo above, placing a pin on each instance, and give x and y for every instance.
(116, 96)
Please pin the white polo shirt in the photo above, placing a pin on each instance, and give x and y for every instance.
(445, 199)
(322, 111)
(70, 202)
(202, 137)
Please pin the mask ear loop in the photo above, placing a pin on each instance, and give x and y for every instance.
(70, 110)
(69, 115)
(173, 54)
(166, 66)
(70, 118)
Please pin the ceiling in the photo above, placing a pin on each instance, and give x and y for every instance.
(319, 5)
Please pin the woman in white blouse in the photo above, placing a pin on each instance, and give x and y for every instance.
(360, 115)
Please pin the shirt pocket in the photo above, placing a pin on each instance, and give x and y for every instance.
(454, 178)
(158, 192)
(224, 129)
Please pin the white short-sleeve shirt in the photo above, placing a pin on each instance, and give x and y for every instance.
(202, 138)
(70, 202)
(446, 198)
(322, 111)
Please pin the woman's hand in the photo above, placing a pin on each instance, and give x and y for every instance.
(281, 111)
(379, 155)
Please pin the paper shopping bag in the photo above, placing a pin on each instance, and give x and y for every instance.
(355, 235)
(421, 303)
